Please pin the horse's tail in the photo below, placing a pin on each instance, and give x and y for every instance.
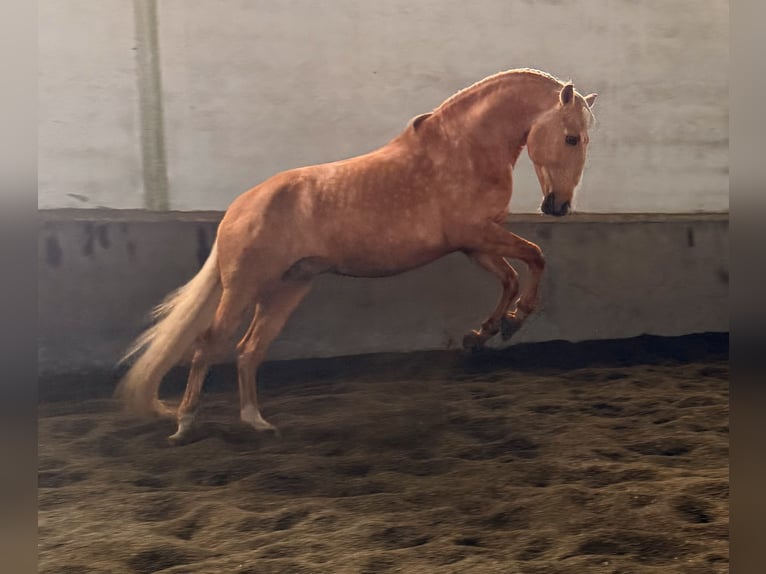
(180, 319)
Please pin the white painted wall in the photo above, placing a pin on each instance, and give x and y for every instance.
(88, 148)
(252, 87)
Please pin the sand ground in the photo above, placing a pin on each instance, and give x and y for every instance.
(615, 469)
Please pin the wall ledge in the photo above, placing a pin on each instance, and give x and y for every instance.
(142, 215)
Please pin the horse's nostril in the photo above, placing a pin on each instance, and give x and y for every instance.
(565, 208)
(548, 205)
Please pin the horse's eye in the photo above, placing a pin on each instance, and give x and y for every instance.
(572, 140)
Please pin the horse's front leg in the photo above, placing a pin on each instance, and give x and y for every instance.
(491, 239)
(509, 279)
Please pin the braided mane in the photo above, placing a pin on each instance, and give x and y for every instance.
(492, 79)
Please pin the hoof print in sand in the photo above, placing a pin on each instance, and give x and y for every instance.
(663, 447)
(694, 510)
(158, 508)
(395, 537)
(159, 558)
(60, 478)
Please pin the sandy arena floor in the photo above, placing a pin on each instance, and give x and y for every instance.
(429, 468)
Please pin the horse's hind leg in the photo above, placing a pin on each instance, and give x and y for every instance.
(269, 319)
(227, 319)
(498, 320)
(185, 416)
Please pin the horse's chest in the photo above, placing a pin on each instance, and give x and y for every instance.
(482, 190)
(484, 203)
(498, 198)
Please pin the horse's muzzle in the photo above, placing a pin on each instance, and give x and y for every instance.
(549, 206)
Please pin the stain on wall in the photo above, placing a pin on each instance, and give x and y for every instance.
(53, 254)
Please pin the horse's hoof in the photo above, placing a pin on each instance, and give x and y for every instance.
(267, 428)
(252, 416)
(177, 439)
(180, 437)
(473, 341)
(509, 325)
(183, 430)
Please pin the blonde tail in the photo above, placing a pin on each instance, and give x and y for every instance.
(180, 319)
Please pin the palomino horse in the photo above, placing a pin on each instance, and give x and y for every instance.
(442, 185)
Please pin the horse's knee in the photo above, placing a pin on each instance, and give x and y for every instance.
(204, 347)
(247, 355)
(244, 356)
(536, 259)
(510, 280)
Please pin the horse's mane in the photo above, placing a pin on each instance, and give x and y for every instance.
(492, 79)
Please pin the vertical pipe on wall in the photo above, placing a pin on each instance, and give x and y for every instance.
(155, 177)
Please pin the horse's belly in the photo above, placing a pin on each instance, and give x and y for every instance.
(381, 267)
(386, 258)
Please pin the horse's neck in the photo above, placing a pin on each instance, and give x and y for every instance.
(498, 117)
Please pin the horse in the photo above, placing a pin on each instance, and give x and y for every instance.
(443, 185)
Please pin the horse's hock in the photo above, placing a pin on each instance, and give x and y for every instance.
(608, 276)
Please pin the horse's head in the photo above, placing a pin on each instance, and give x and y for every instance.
(557, 144)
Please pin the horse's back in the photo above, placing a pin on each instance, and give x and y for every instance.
(329, 189)
(358, 213)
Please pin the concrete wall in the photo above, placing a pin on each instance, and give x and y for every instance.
(88, 126)
(251, 87)
(608, 277)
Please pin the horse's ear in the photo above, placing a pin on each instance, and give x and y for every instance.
(567, 94)
(590, 99)
(417, 120)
